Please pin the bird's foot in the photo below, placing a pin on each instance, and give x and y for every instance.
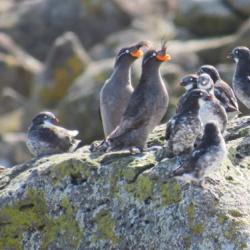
(102, 147)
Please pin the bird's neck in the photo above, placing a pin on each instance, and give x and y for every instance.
(122, 74)
(243, 68)
(192, 108)
(150, 74)
(212, 139)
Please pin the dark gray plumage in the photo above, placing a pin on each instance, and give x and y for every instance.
(222, 91)
(189, 82)
(212, 110)
(241, 79)
(146, 107)
(117, 90)
(206, 157)
(45, 137)
(184, 128)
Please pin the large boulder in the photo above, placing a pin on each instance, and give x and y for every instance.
(17, 68)
(66, 61)
(36, 24)
(240, 6)
(122, 201)
(80, 108)
(13, 149)
(243, 36)
(207, 17)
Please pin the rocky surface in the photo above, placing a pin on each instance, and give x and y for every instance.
(122, 201)
(207, 17)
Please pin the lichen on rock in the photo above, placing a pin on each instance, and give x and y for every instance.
(116, 200)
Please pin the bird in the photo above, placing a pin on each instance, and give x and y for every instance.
(183, 128)
(189, 82)
(222, 91)
(117, 90)
(241, 78)
(212, 110)
(205, 158)
(45, 137)
(146, 107)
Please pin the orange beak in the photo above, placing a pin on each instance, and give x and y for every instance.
(163, 58)
(136, 53)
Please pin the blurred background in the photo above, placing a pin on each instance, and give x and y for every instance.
(56, 55)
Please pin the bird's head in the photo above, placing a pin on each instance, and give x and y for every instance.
(45, 117)
(196, 98)
(205, 82)
(189, 81)
(210, 70)
(130, 54)
(156, 57)
(240, 53)
(211, 128)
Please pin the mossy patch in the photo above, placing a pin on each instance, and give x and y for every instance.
(142, 188)
(105, 227)
(222, 218)
(28, 214)
(171, 193)
(196, 228)
(235, 213)
(76, 169)
(63, 77)
(31, 214)
(63, 228)
(137, 166)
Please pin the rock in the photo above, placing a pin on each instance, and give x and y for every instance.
(142, 28)
(17, 68)
(192, 53)
(91, 20)
(139, 8)
(243, 36)
(80, 108)
(10, 100)
(240, 6)
(121, 201)
(13, 149)
(65, 62)
(207, 17)
(12, 121)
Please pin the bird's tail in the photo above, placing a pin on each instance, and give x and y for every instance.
(75, 145)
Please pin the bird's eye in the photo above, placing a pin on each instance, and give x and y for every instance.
(236, 51)
(154, 54)
(127, 51)
(191, 79)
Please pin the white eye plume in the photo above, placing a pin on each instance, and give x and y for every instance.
(154, 54)
(126, 51)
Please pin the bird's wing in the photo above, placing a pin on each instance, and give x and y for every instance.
(225, 94)
(59, 138)
(190, 164)
(169, 128)
(134, 116)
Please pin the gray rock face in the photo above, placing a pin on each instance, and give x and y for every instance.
(123, 201)
(91, 20)
(66, 60)
(241, 6)
(207, 17)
